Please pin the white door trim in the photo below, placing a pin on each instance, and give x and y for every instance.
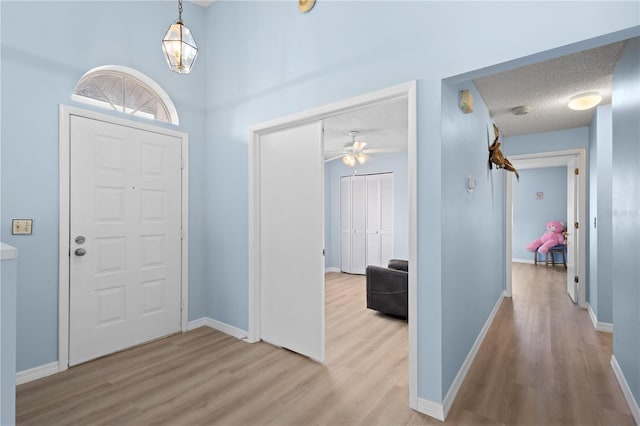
(402, 91)
(551, 159)
(64, 215)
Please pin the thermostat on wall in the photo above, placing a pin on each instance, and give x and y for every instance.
(21, 226)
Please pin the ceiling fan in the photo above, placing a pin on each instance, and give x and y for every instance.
(354, 152)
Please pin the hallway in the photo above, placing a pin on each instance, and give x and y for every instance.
(542, 362)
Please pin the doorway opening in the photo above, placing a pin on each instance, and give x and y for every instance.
(257, 134)
(572, 160)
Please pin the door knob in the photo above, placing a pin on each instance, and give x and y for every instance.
(80, 252)
(80, 239)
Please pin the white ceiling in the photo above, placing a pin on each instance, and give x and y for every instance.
(203, 3)
(382, 126)
(546, 86)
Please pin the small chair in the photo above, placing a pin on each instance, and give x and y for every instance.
(560, 248)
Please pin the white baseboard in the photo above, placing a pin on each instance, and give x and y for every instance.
(331, 269)
(529, 261)
(220, 326)
(628, 395)
(606, 327)
(36, 373)
(450, 397)
(430, 408)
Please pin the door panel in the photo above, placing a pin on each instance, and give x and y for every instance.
(572, 231)
(292, 239)
(373, 220)
(345, 224)
(359, 225)
(125, 200)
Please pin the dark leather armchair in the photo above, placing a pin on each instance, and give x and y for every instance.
(387, 288)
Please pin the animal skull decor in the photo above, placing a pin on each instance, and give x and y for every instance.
(496, 157)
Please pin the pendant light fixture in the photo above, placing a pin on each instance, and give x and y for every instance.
(179, 46)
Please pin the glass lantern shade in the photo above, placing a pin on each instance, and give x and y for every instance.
(349, 160)
(179, 48)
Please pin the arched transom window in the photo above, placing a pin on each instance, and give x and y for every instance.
(125, 90)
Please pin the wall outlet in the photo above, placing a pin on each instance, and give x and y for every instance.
(22, 226)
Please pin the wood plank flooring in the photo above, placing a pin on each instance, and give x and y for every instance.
(541, 363)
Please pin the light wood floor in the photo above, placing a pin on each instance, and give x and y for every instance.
(541, 363)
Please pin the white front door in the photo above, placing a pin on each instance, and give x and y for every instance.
(572, 231)
(292, 239)
(125, 237)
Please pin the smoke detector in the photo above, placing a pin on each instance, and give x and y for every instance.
(521, 110)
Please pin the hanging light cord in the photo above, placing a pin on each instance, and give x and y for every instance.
(179, 12)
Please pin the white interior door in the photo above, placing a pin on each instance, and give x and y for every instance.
(358, 225)
(572, 231)
(345, 224)
(125, 225)
(292, 239)
(373, 221)
(386, 218)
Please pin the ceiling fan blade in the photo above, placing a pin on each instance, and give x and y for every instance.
(335, 157)
(382, 150)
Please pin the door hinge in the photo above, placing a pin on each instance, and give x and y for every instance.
(182, 163)
(182, 234)
(577, 171)
(576, 280)
(323, 251)
(577, 225)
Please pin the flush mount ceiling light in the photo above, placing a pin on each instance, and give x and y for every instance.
(179, 46)
(585, 101)
(354, 151)
(521, 110)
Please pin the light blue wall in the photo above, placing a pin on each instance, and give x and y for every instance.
(380, 163)
(46, 47)
(600, 235)
(626, 214)
(473, 228)
(531, 215)
(546, 141)
(266, 60)
(259, 61)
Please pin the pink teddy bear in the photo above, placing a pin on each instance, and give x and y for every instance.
(551, 238)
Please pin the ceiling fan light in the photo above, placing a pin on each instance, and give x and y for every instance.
(362, 158)
(349, 160)
(359, 145)
(585, 101)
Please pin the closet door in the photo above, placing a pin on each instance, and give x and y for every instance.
(345, 224)
(358, 225)
(386, 218)
(373, 221)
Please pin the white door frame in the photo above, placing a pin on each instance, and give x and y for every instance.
(64, 238)
(551, 159)
(402, 91)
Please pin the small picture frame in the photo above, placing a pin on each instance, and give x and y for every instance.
(540, 195)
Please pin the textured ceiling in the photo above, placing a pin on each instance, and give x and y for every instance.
(547, 87)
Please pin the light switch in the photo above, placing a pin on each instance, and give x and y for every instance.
(22, 226)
